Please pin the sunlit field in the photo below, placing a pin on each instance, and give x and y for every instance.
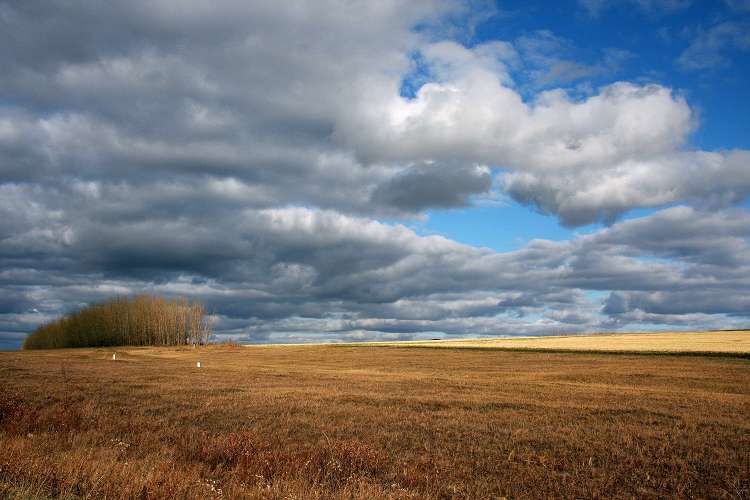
(371, 422)
(737, 342)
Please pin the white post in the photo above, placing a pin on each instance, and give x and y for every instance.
(198, 364)
(113, 357)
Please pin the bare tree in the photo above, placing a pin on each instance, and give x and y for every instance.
(140, 320)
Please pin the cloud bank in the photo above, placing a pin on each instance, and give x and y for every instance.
(246, 153)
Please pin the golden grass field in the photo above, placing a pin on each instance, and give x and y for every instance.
(371, 422)
(670, 342)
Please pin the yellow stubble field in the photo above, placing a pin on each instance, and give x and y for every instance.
(737, 342)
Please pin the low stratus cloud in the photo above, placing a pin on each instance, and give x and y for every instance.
(197, 148)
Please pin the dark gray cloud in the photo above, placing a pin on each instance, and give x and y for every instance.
(433, 186)
(711, 301)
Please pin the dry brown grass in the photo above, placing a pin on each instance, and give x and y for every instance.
(736, 342)
(353, 422)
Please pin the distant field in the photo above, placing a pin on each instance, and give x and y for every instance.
(737, 342)
(371, 422)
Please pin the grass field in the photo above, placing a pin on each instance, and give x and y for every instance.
(371, 422)
(727, 342)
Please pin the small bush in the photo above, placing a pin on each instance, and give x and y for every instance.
(340, 462)
(226, 450)
(18, 417)
(11, 405)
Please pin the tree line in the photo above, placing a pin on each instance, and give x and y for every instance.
(138, 321)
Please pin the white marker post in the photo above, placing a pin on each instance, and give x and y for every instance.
(198, 364)
(114, 358)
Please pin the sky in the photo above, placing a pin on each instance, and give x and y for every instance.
(336, 170)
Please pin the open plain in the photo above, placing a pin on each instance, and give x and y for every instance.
(371, 422)
(729, 342)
